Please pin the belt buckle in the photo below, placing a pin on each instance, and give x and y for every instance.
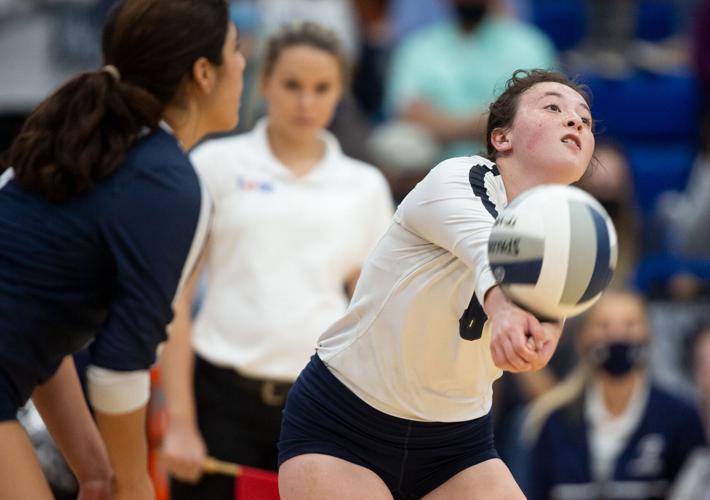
(269, 395)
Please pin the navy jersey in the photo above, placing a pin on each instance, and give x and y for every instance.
(101, 267)
(668, 432)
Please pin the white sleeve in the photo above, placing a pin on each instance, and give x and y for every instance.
(380, 208)
(444, 210)
(116, 392)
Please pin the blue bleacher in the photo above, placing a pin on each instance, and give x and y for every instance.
(655, 119)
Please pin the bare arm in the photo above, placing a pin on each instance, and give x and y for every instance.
(184, 450)
(126, 441)
(61, 403)
(446, 127)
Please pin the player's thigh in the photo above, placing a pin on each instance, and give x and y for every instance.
(314, 477)
(21, 475)
(489, 479)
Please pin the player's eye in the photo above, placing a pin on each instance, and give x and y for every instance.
(292, 85)
(552, 107)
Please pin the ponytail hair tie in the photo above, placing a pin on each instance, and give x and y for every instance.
(113, 71)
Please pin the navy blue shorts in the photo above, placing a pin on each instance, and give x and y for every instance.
(412, 458)
(8, 399)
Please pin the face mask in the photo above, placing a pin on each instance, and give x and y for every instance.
(470, 15)
(618, 358)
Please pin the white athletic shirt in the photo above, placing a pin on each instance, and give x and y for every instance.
(399, 346)
(281, 249)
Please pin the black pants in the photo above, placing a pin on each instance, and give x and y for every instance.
(240, 420)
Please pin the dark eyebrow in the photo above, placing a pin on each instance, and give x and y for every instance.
(557, 94)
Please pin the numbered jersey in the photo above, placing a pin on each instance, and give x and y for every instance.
(411, 343)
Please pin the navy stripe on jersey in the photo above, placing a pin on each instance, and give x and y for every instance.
(474, 317)
(477, 178)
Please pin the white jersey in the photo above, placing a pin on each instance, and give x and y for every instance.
(281, 249)
(408, 344)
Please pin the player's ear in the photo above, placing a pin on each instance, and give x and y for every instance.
(204, 75)
(500, 140)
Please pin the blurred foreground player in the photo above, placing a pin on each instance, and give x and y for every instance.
(102, 218)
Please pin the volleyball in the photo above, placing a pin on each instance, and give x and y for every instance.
(553, 251)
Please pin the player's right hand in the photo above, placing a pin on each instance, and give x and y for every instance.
(518, 340)
(184, 451)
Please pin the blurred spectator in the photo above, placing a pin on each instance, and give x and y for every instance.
(609, 180)
(442, 77)
(612, 47)
(370, 68)
(694, 481)
(609, 431)
(409, 16)
(611, 26)
(699, 349)
(686, 216)
(294, 219)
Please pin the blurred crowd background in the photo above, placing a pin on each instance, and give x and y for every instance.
(423, 72)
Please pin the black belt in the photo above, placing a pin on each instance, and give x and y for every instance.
(271, 392)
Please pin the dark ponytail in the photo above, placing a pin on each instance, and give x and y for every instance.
(80, 134)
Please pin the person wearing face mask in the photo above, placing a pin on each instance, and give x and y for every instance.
(609, 431)
(469, 56)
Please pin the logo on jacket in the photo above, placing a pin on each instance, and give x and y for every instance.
(649, 461)
(244, 184)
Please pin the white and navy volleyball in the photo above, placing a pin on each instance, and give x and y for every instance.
(553, 251)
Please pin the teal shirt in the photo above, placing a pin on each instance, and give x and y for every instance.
(462, 73)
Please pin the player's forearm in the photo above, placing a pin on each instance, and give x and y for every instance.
(494, 301)
(61, 403)
(125, 438)
(176, 360)
(177, 364)
(463, 128)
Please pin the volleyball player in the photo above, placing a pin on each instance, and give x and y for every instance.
(396, 401)
(101, 218)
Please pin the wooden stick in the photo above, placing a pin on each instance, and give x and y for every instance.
(213, 466)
